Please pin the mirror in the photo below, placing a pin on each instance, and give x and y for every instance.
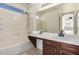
(49, 20)
(62, 17)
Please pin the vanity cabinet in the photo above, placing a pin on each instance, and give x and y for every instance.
(50, 47)
(33, 40)
(59, 48)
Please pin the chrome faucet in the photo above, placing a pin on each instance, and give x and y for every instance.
(42, 31)
(61, 33)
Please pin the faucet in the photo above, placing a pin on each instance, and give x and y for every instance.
(41, 31)
(61, 33)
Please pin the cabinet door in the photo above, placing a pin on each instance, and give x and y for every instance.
(50, 47)
(49, 50)
(69, 49)
(33, 40)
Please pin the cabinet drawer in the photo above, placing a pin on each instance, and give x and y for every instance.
(51, 43)
(70, 48)
(48, 50)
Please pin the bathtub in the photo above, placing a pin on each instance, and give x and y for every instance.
(14, 46)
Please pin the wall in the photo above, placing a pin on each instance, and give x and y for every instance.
(33, 8)
(68, 7)
(13, 24)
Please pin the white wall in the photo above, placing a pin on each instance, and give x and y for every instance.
(68, 7)
(13, 24)
(33, 8)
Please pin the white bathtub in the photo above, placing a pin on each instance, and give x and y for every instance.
(14, 46)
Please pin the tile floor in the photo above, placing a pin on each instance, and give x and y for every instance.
(33, 51)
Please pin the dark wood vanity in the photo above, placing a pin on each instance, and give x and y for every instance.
(51, 47)
(59, 48)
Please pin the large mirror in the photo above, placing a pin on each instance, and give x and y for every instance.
(62, 17)
(49, 20)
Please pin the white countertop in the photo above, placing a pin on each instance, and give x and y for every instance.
(54, 36)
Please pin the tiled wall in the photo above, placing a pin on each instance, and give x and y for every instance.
(13, 23)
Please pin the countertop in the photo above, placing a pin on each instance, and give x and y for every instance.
(54, 36)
